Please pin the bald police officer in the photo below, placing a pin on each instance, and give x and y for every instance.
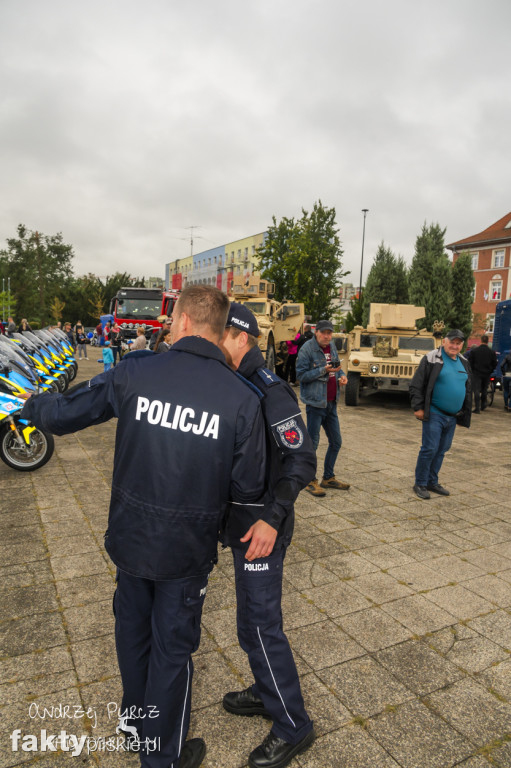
(291, 466)
(163, 526)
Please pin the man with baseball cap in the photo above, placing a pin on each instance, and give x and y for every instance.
(291, 463)
(441, 398)
(320, 375)
(166, 322)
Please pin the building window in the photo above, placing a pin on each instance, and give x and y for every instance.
(253, 250)
(246, 252)
(490, 323)
(239, 253)
(498, 258)
(475, 261)
(474, 294)
(495, 290)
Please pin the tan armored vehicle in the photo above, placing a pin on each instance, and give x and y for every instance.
(278, 321)
(385, 355)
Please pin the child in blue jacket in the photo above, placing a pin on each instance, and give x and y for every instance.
(108, 356)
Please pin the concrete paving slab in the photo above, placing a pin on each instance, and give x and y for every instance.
(398, 610)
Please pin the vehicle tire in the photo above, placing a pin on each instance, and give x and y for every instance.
(270, 357)
(73, 370)
(62, 383)
(31, 457)
(352, 394)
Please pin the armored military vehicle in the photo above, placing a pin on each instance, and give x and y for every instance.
(385, 355)
(278, 321)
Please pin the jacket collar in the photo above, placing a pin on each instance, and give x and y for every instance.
(330, 346)
(251, 362)
(196, 345)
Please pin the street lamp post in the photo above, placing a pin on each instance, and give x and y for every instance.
(364, 211)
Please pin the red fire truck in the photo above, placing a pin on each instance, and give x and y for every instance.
(132, 307)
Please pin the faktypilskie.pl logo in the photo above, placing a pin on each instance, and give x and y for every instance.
(49, 739)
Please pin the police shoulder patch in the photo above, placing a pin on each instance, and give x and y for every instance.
(269, 378)
(290, 434)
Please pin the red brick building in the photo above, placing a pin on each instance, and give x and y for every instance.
(490, 251)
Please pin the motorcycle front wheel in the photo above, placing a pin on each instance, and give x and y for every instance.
(26, 458)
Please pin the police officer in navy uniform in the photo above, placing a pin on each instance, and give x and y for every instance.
(291, 465)
(189, 411)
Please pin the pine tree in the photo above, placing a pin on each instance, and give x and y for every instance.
(387, 281)
(429, 282)
(463, 283)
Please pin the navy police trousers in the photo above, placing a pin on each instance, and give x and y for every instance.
(260, 634)
(157, 628)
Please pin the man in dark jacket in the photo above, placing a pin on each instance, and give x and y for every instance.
(291, 464)
(483, 362)
(187, 410)
(441, 398)
(505, 367)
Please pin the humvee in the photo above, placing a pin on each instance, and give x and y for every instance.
(278, 321)
(385, 355)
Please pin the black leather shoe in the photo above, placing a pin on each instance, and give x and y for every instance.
(276, 753)
(439, 489)
(192, 754)
(476, 411)
(421, 491)
(244, 703)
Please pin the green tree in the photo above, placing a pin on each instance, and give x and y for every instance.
(387, 281)
(97, 304)
(356, 313)
(462, 291)
(38, 265)
(303, 259)
(83, 295)
(56, 309)
(8, 302)
(429, 282)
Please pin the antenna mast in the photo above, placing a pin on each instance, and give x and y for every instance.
(195, 226)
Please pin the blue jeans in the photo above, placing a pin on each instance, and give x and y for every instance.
(328, 419)
(437, 435)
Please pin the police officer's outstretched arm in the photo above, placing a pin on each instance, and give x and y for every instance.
(91, 402)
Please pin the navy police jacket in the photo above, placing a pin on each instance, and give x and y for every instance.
(291, 458)
(190, 437)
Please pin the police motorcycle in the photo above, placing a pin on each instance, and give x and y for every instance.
(57, 350)
(58, 335)
(22, 446)
(15, 372)
(43, 363)
(50, 359)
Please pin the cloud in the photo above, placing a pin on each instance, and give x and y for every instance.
(124, 123)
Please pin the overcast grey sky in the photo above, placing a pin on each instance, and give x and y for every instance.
(124, 122)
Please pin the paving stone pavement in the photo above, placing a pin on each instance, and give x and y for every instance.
(398, 610)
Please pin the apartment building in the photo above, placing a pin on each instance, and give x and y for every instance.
(490, 252)
(216, 266)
